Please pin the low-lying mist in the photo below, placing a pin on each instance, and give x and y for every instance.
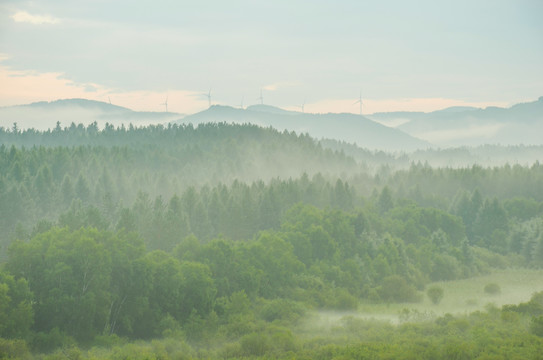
(461, 297)
(35, 117)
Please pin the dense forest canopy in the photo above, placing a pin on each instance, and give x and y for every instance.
(225, 237)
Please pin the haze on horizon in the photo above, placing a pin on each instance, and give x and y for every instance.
(421, 56)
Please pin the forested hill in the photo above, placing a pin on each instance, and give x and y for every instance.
(209, 153)
(343, 127)
(42, 172)
(222, 236)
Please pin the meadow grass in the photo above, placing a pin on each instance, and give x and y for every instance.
(460, 297)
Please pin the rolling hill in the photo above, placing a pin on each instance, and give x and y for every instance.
(44, 115)
(344, 127)
(459, 126)
(466, 126)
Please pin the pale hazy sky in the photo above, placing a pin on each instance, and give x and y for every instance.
(401, 55)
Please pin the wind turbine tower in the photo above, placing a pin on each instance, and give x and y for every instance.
(165, 103)
(359, 101)
(241, 105)
(261, 98)
(208, 96)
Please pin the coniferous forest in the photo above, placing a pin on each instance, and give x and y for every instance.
(232, 241)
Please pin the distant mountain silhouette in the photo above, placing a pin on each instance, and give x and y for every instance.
(345, 127)
(404, 131)
(44, 115)
(456, 109)
(270, 109)
(81, 103)
(467, 126)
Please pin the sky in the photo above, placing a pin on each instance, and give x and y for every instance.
(396, 55)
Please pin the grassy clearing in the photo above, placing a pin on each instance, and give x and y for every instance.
(517, 285)
(460, 297)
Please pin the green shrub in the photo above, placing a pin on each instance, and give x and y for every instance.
(435, 294)
(49, 341)
(13, 349)
(396, 289)
(344, 300)
(282, 309)
(536, 326)
(492, 289)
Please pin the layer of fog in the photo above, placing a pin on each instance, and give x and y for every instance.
(383, 162)
(27, 117)
(451, 136)
(393, 123)
(461, 297)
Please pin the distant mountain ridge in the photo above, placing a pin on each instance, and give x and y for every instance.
(467, 126)
(83, 103)
(520, 124)
(344, 127)
(270, 109)
(44, 115)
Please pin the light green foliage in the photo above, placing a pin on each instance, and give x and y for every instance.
(282, 309)
(14, 349)
(490, 223)
(435, 294)
(538, 251)
(68, 273)
(221, 240)
(255, 344)
(395, 289)
(522, 208)
(533, 308)
(536, 326)
(445, 267)
(16, 314)
(198, 291)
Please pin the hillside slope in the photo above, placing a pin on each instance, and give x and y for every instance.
(465, 126)
(344, 127)
(44, 115)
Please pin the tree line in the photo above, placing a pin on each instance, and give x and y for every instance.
(231, 232)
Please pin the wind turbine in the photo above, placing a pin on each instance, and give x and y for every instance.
(359, 101)
(261, 98)
(109, 100)
(303, 105)
(241, 105)
(208, 95)
(165, 103)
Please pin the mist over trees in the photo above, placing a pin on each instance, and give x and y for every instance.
(223, 237)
